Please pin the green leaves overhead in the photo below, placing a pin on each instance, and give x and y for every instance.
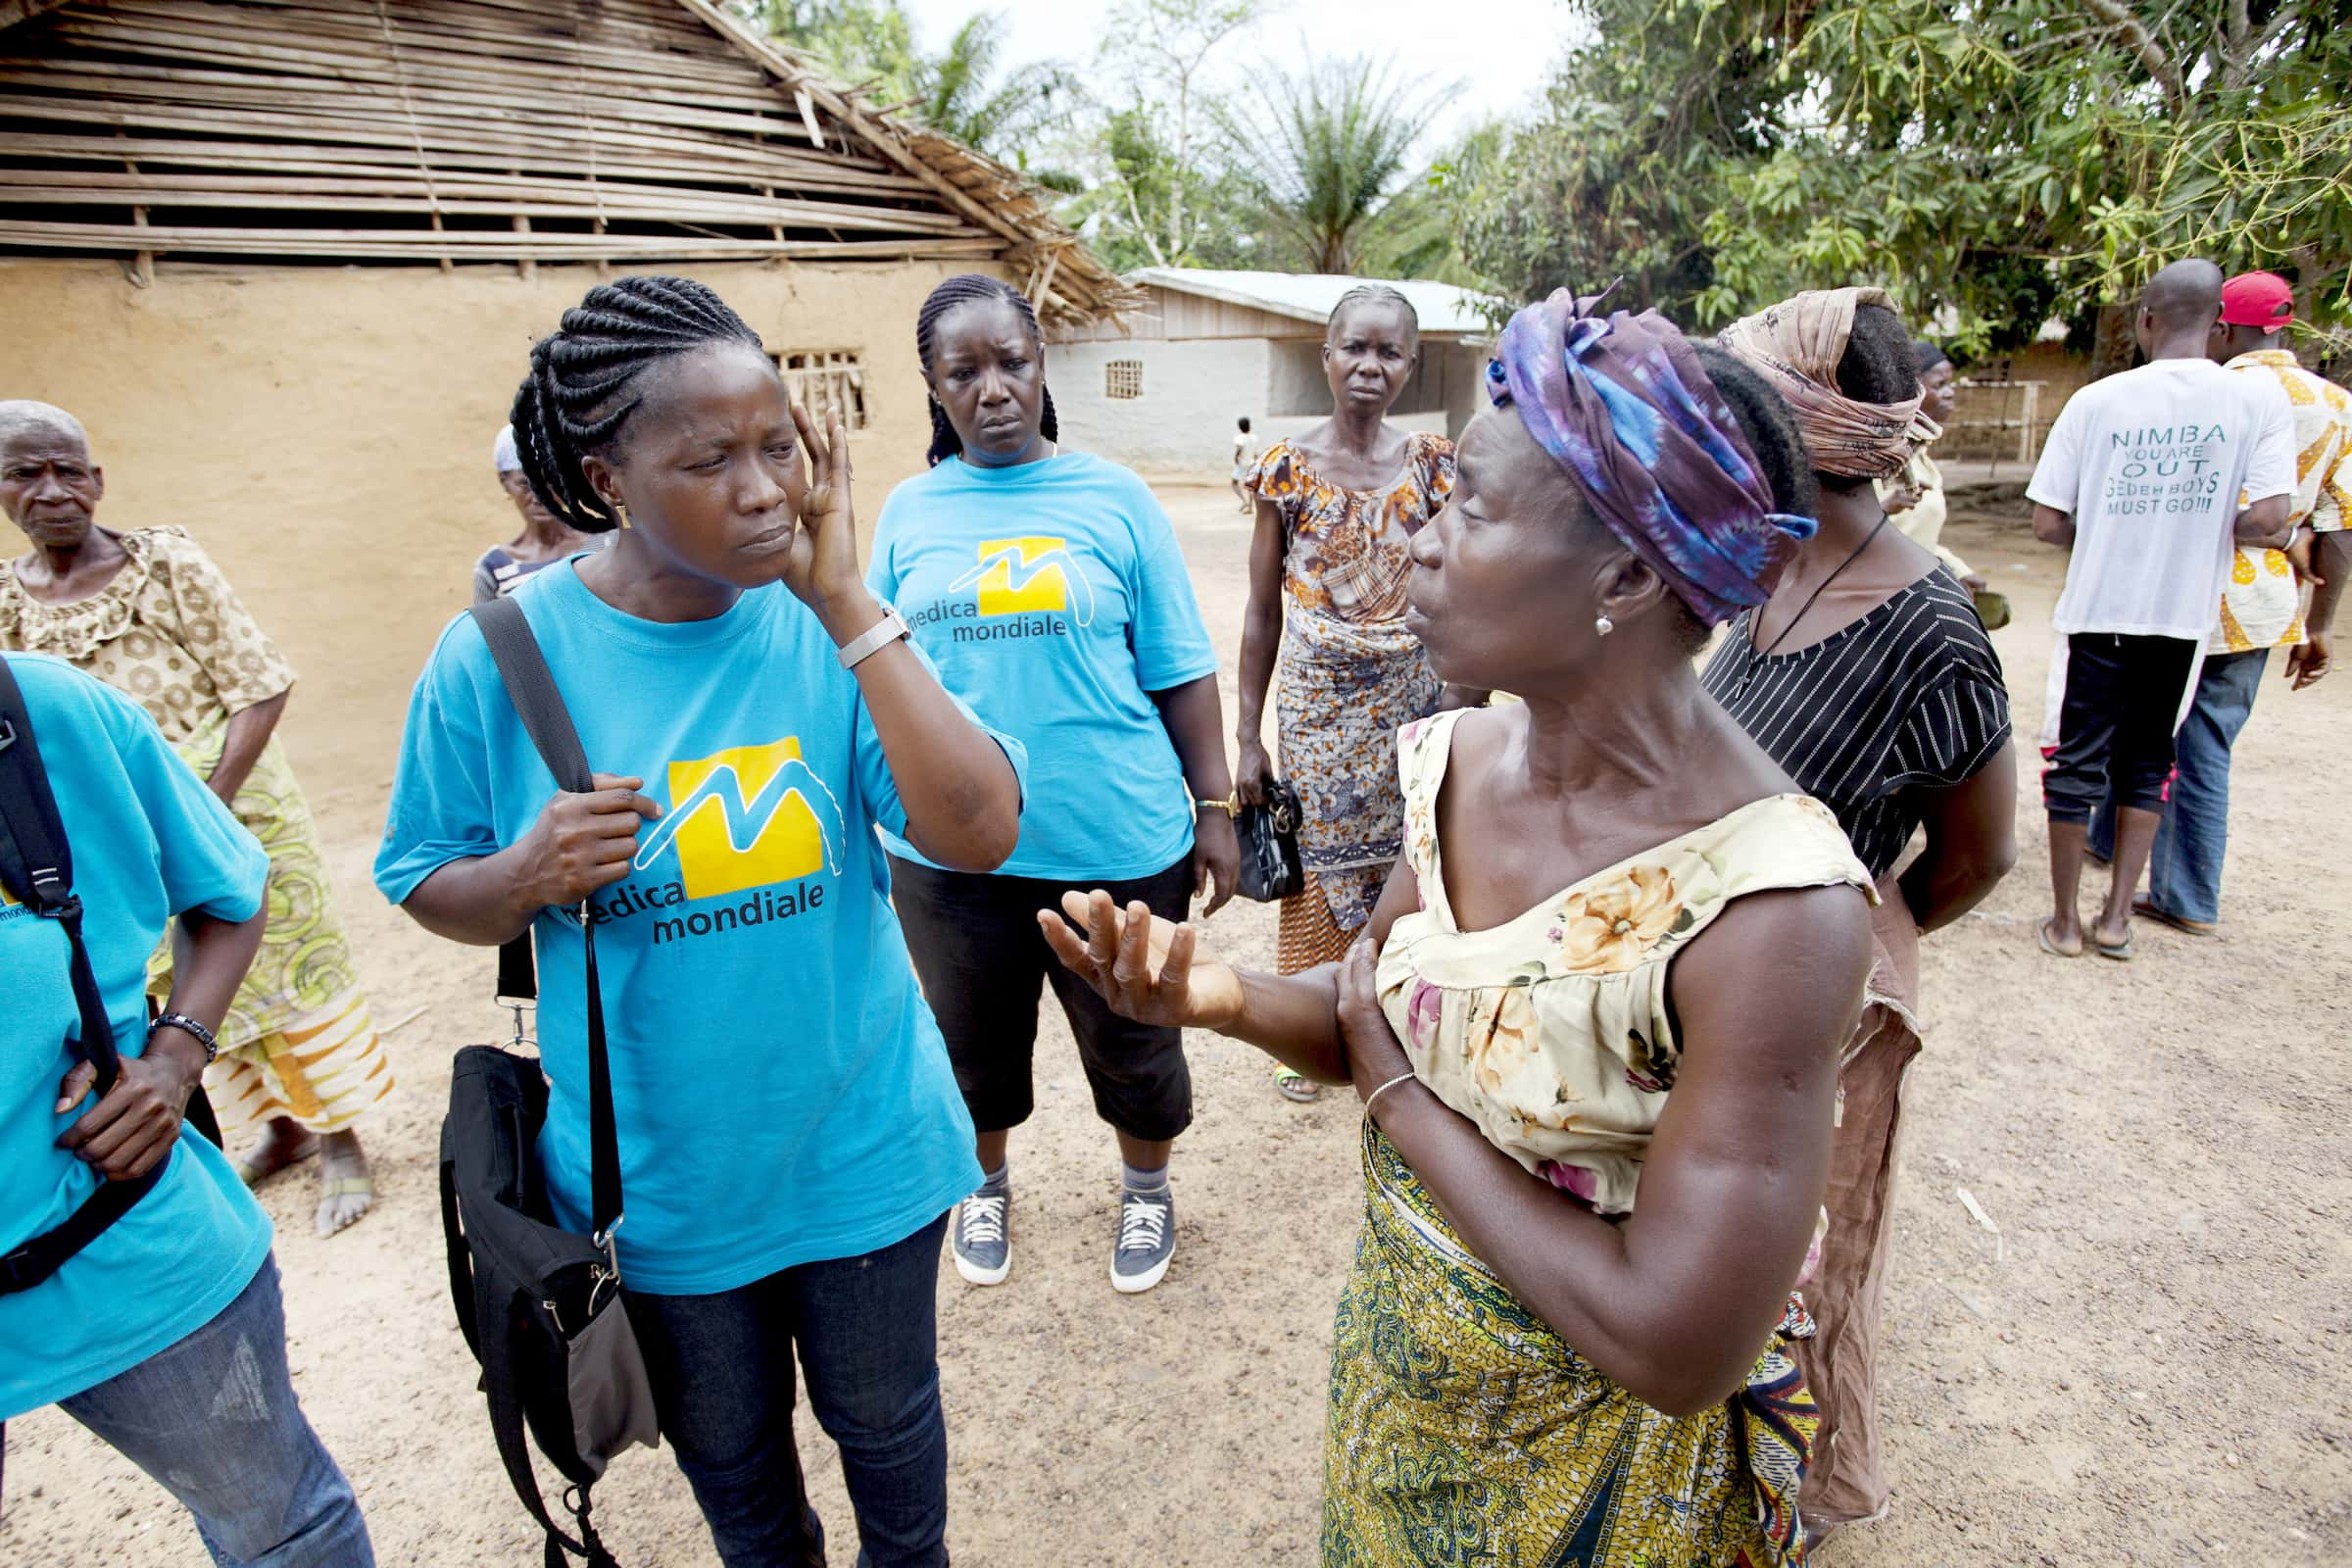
(960, 92)
(2002, 160)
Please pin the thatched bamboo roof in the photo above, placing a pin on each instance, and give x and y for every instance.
(619, 132)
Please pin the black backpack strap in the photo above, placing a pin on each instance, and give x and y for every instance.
(37, 869)
(531, 688)
(461, 1256)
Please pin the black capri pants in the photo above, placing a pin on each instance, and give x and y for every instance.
(2115, 731)
(980, 957)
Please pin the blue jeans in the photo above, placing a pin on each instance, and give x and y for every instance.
(213, 1419)
(866, 1329)
(2184, 870)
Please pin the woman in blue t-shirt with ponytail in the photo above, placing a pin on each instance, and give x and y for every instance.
(1048, 587)
(790, 1138)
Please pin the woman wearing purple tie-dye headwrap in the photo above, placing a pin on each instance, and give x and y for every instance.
(1564, 1337)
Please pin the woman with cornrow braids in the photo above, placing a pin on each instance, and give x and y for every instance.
(1049, 588)
(791, 1138)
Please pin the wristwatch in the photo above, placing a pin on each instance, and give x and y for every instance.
(888, 629)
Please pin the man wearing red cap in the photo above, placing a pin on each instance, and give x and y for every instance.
(2261, 608)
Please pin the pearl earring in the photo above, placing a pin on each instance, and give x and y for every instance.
(1603, 626)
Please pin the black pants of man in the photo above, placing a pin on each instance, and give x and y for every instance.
(2115, 731)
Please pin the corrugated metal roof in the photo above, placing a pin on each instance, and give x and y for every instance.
(1309, 296)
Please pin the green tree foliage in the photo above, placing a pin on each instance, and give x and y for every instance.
(962, 91)
(1420, 230)
(1322, 151)
(1161, 192)
(2004, 158)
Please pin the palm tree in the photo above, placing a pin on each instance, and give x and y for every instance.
(958, 92)
(1324, 151)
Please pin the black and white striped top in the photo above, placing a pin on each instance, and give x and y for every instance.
(1910, 695)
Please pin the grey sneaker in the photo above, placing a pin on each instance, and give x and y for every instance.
(983, 1250)
(1147, 1240)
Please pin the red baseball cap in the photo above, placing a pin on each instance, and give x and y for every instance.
(2258, 299)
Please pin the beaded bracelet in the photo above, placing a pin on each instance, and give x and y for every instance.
(189, 1027)
(1375, 1095)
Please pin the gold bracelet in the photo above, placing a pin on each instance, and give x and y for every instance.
(1384, 1089)
(1230, 804)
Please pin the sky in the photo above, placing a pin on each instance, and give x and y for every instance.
(1496, 53)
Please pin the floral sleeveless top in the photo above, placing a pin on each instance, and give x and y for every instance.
(1551, 1031)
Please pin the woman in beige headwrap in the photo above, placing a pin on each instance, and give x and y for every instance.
(1868, 677)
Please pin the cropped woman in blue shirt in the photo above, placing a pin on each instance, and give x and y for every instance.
(143, 1333)
(790, 1138)
(1049, 588)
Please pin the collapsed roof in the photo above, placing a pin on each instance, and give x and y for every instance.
(439, 131)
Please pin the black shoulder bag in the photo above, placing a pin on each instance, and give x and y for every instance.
(540, 1306)
(1269, 836)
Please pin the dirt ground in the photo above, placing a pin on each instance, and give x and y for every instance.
(2151, 1362)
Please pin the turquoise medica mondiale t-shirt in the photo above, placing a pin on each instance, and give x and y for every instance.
(1052, 598)
(781, 1090)
(148, 840)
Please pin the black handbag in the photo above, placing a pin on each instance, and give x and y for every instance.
(1269, 836)
(540, 1305)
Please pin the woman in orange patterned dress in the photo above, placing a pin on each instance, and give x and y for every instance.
(1337, 510)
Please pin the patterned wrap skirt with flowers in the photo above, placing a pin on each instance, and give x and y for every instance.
(1463, 1431)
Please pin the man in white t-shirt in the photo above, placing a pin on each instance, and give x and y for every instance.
(2262, 607)
(2142, 478)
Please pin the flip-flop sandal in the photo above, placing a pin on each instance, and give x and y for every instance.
(2119, 952)
(2188, 928)
(253, 1175)
(334, 1186)
(2052, 948)
(1295, 1087)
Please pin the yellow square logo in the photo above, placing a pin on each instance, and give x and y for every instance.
(1023, 574)
(744, 817)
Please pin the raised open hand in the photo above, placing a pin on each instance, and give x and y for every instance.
(823, 561)
(1143, 966)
